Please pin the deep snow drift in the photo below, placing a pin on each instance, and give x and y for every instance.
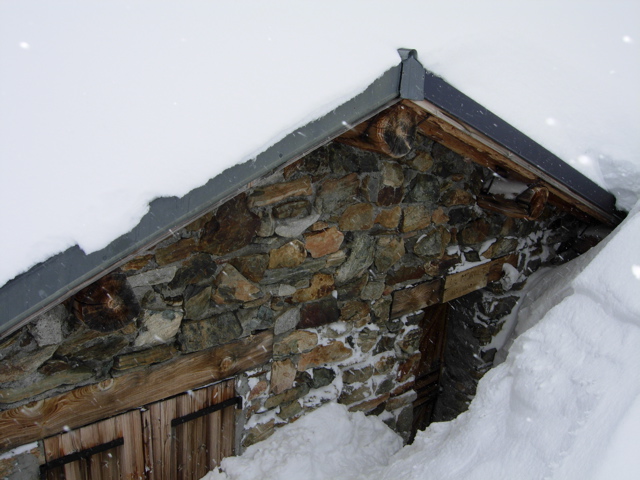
(107, 105)
(565, 404)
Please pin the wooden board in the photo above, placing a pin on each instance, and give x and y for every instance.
(94, 402)
(475, 278)
(193, 448)
(122, 462)
(416, 298)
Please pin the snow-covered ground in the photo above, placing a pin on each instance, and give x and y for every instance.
(106, 105)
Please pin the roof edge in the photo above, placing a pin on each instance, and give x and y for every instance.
(56, 279)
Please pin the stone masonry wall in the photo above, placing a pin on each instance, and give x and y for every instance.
(314, 253)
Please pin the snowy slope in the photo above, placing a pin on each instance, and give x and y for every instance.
(107, 105)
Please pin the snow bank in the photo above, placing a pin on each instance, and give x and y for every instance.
(107, 105)
(325, 444)
(564, 404)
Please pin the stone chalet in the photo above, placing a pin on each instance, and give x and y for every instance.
(369, 258)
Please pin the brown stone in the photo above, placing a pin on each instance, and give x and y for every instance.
(392, 174)
(143, 358)
(388, 196)
(258, 433)
(290, 255)
(357, 217)
(271, 194)
(388, 251)
(408, 368)
(439, 217)
(288, 412)
(287, 396)
(324, 242)
(457, 197)
(416, 217)
(232, 227)
(411, 341)
(318, 226)
(352, 393)
(336, 193)
(389, 217)
(319, 313)
(421, 162)
(357, 375)
(384, 365)
(356, 312)
(24, 363)
(433, 243)
(323, 354)
(475, 232)
(137, 263)
(296, 342)
(501, 247)
(252, 266)
(198, 335)
(176, 251)
(292, 209)
(283, 376)
(321, 286)
(194, 270)
(260, 388)
(367, 339)
(232, 285)
(370, 404)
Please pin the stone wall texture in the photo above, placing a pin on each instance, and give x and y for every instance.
(314, 252)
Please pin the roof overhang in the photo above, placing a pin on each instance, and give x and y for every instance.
(450, 116)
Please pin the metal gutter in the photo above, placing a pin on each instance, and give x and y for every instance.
(49, 283)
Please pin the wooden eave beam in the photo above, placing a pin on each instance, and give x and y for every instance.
(89, 404)
(465, 140)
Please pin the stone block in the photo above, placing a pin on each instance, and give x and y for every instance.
(320, 313)
(153, 277)
(47, 327)
(270, 194)
(296, 342)
(336, 193)
(251, 266)
(321, 355)
(287, 321)
(283, 375)
(424, 189)
(416, 217)
(389, 250)
(321, 286)
(357, 217)
(392, 174)
(234, 287)
(389, 217)
(290, 255)
(292, 228)
(370, 405)
(359, 260)
(292, 209)
(158, 327)
(457, 197)
(176, 251)
(324, 242)
(232, 227)
(357, 375)
(198, 335)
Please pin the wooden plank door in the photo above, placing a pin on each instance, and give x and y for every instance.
(106, 450)
(430, 367)
(188, 435)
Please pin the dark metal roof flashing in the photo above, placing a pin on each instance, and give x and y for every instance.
(48, 283)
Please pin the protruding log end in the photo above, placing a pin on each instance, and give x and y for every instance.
(106, 305)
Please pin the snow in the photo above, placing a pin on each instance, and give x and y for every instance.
(315, 451)
(108, 105)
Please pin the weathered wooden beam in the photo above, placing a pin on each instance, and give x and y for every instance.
(475, 278)
(115, 395)
(409, 300)
(391, 132)
(106, 305)
(529, 204)
(463, 139)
